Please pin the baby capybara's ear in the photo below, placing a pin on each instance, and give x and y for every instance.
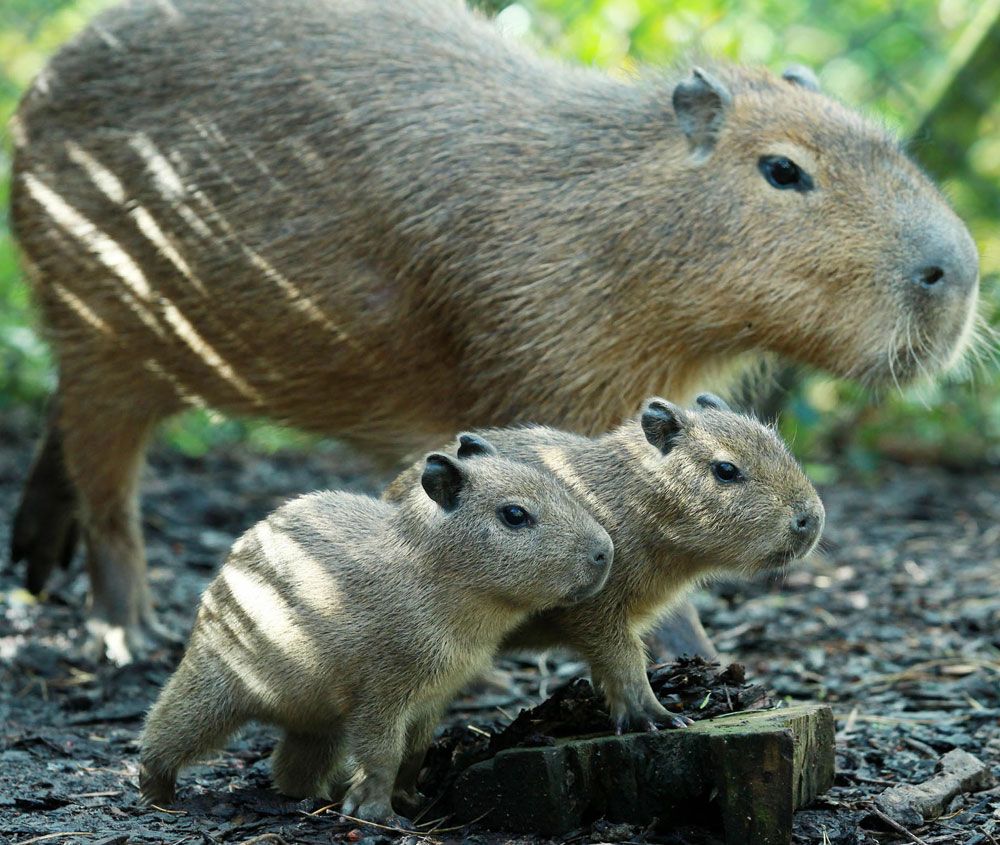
(711, 402)
(472, 445)
(442, 480)
(662, 423)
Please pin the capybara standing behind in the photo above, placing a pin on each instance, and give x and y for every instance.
(351, 623)
(685, 495)
(382, 221)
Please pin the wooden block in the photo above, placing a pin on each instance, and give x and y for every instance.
(746, 773)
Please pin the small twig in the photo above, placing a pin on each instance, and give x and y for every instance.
(430, 825)
(905, 720)
(845, 732)
(897, 826)
(748, 712)
(108, 794)
(33, 681)
(356, 820)
(273, 837)
(922, 747)
(427, 807)
(876, 781)
(403, 830)
(321, 810)
(54, 836)
(479, 731)
(169, 812)
(460, 826)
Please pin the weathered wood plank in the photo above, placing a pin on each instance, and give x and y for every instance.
(746, 773)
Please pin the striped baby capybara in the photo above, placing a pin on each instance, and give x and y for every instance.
(351, 624)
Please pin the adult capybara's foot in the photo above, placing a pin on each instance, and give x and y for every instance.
(121, 645)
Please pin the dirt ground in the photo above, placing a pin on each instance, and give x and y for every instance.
(896, 624)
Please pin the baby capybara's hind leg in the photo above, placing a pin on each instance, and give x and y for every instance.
(309, 765)
(45, 527)
(195, 714)
(103, 443)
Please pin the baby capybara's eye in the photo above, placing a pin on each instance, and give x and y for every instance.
(726, 472)
(514, 516)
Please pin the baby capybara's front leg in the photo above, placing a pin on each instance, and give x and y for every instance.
(618, 666)
(419, 735)
(376, 738)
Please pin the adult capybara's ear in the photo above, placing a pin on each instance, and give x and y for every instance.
(700, 103)
(662, 423)
(442, 480)
(802, 76)
(472, 445)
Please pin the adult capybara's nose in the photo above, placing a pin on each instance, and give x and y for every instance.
(948, 262)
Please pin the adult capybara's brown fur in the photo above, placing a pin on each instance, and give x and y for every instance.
(684, 495)
(351, 623)
(383, 221)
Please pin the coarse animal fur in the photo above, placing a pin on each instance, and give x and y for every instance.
(651, 483)
(318, 211)
(351, 623)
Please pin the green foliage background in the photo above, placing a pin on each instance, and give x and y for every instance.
(893, 59)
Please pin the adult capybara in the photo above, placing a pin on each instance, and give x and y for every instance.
(385, 222)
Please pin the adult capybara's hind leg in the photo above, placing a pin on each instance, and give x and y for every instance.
(103, 444)
(46, 527)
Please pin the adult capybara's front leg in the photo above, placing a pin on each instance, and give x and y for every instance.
(681, 634)
(46, 528)
(104, 443)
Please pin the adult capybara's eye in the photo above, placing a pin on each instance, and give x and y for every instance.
(784, 174)
(514, 516)
(726, 472)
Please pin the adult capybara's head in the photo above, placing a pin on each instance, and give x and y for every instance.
(826, 243)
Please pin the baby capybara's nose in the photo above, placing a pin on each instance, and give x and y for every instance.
(602, 553)
(806, 525)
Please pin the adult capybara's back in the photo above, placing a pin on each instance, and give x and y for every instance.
(382, 221)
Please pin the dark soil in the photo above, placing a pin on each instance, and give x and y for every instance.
(896, 625)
